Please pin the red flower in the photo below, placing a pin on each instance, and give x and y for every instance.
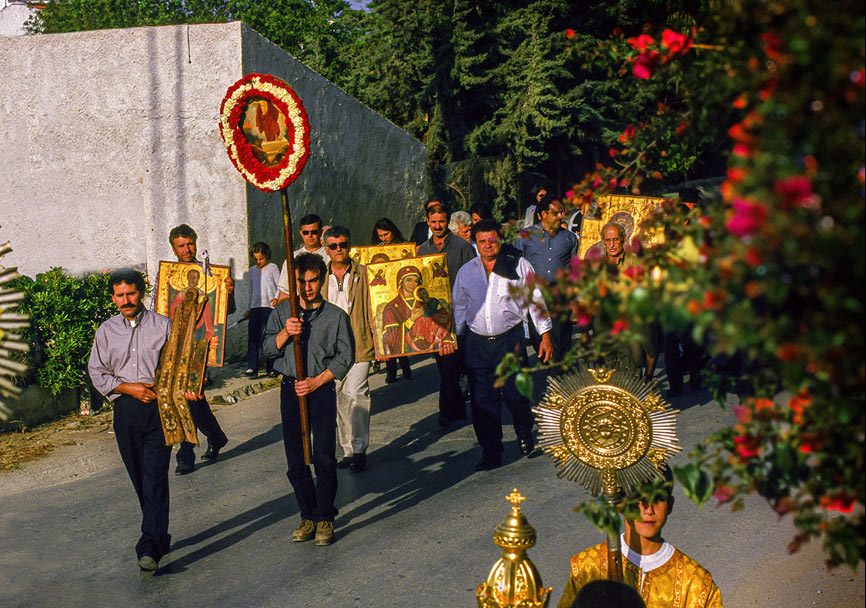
(569, 33)
(741, 101)
(772, 44)
(795, 191)
(841, 502)
(628, 134)
(746, 446)
(693, 307)
(646, 64)
(788, 351)
(635, 273)
(798, 403)
(618, 326)
(741, 150)
(747, 218)
(809, 443)
(763, 404)
(677, 43)
(641, 42)
(753, 257)
(613, 152)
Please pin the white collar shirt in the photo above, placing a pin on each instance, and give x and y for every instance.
(486, 306)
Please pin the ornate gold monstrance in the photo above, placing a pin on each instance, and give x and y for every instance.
(608, 430)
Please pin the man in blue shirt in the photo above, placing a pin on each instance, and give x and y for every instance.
(548, 247)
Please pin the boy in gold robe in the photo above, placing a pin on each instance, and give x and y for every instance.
(664, 576)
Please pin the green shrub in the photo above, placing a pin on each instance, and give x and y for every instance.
(64, 313)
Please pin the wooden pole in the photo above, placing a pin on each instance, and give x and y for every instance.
(614, 545)
(296, 340)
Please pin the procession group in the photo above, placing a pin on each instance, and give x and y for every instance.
(335, 329)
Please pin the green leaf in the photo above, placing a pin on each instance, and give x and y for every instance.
(697, 483)
(523, 384)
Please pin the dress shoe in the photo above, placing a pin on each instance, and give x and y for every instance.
(527, 446)
(487, 465)
(147, 565)
(251, 373)
(345, 463)
(407, 373)
(359, 463)
(213, 450)
(184, 468)
(324, 533)
(306, 531)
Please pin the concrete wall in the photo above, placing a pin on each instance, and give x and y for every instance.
(110, 138)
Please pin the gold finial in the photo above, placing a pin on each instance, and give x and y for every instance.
(514, 580)
(515, 498)
(601, 375)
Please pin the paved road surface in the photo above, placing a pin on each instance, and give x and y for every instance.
(414, 530)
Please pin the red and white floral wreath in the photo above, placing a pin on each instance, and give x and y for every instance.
(239, 148)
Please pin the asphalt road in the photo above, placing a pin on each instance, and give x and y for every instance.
(415, 529)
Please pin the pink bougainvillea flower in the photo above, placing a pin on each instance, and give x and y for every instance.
(646, 64)
(641, 42)
(741, 150)
(677, 43)
(576, 267)
(635, 273)
(636, 245)
(841, 502)
(742, 413)
(795, 191)
(723, 494)
(747, 218)
(618, 326)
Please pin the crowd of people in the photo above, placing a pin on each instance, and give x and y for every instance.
(334, 326)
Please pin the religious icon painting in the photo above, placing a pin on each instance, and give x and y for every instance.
(626, 210)
(411, 304)
(382, 253)
(175, 278)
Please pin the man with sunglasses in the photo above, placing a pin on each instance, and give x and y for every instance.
(345, 286)
(311, 233)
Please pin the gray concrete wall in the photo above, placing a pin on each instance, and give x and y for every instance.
(110, 138)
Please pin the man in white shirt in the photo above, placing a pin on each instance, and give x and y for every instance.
(490, 322)
(311, 233)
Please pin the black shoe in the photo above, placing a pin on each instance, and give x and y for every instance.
(390, 379)
(345, 463)
(359, 463)
(213, 451)
(147, 565)
(527, 446)
(444, 421)
(488, 465)
(407, 373)
(184, 468)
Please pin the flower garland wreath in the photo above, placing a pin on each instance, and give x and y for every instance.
(239, 148)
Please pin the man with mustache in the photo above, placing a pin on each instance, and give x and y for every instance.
(122, 366)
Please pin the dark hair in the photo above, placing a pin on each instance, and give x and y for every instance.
(335, 232)
(544, 204)
(263, 248)
(305, 262)
(383, 223)
(184, 231)
(486, 225)
(128, 276)
(438, 208)
(311, 218)
(536, 188)
(431, 201)
(481, 210)
(607, 594)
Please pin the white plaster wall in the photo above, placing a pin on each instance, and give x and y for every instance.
(110, 138)
(12, 18)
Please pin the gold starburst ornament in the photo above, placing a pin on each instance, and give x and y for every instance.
(606, 429)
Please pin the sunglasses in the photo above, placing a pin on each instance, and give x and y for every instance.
(340, 245)
(309, 232)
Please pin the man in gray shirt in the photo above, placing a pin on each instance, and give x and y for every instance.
(328, 350)
(452, 406)
(122, 366)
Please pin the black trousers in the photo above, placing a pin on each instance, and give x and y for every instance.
(483, 355)
(560, 335)
(146, 457)
(391, 366)
(451, 402)
(206, 422)
(316, 501)
(257, 321)
(676, 363)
